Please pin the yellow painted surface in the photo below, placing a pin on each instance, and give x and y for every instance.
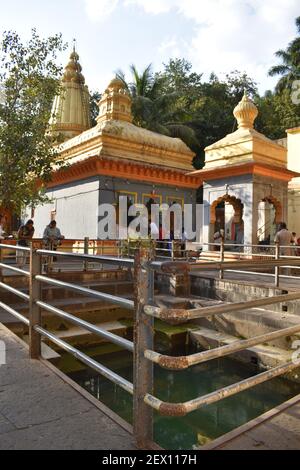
(245, 144)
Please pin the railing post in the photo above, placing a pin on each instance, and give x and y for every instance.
(222, 257)
(34, 309)
(1, 261)
(143, 339)
(86, 252)
(277, 268)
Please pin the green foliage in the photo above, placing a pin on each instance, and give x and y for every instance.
(95, 97)
(289, 69)
(29, 79)
(156, 108)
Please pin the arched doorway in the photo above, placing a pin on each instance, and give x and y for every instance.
(226, 214)
(269, 216)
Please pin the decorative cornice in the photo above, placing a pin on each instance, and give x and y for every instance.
(96, 166)
(244, 169)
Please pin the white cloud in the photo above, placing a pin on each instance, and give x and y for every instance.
(227, 34)
(98, 10)
(153, 6)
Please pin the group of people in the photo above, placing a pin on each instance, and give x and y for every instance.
(52, 237)
(286, 239)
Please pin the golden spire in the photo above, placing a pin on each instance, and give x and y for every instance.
(71, 108)
(115, 103)
(245, 113)
(73, 69)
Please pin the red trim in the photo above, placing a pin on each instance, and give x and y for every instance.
(133, 171)
(245, 168)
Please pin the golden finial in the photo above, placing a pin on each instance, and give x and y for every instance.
(245, 112)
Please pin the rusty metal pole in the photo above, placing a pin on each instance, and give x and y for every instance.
(1, 261)
(222, 257)
(86, 252)
(34, 309)
(143, 340)
(277, 257)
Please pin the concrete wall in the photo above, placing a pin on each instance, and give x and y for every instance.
(293, 142)
(77, 205)
(76, 210)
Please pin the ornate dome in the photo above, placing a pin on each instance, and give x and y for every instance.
(73, 70)
(115, 103)
(245, 113)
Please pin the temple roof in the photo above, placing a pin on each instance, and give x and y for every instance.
(115, 136)
(245, 144)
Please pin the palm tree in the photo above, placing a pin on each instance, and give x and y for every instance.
(155, 110)
(289, 69)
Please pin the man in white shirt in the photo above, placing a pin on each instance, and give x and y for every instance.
(285, 238)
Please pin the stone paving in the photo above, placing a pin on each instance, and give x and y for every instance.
(38, 410)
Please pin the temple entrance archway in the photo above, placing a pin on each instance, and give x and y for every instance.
(269, 216)
(226, 215)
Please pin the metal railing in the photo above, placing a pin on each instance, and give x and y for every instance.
(164, 249)
(144, 311)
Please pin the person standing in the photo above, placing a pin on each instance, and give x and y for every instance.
(2, 227)
(284, 238)
(25, 235)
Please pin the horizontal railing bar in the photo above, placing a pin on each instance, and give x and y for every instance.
(100, 259)
(14, 291)
(14, 313)
(93, 293)
(217, 265)
(182, 409)
(254, 273)
(182, 315)
(184, 362)
(107, 373)
(242, 264)
(14, 247)
(14, 269)
(115, 339)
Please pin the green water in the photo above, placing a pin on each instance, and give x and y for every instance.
(205, 424)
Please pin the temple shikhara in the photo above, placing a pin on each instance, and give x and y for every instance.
(250, 183)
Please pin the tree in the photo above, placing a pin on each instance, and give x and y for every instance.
(30, 79)
(155, 109)
(289, 69)
(277, 113)
(95, 97)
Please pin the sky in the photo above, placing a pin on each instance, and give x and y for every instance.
(215, 35)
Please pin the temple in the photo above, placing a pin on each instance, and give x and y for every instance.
(245, 180)
(113, 158)
(250, 183)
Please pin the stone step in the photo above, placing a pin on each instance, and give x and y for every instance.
(254, 322)
(262, 356)
(115, 287)
(78, 336)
